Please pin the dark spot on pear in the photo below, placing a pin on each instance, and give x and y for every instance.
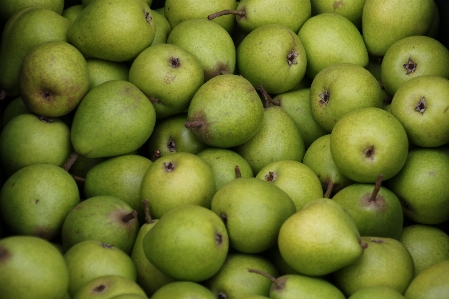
(148, 17)
(324, 98)
(99, 289)
(46, 95)
(291, 57)
(405, 205)
(410, 66)
(219, 69)
(218, 238)
(421, 106)
(379, 241)
(221, 295)
(43, 232)
(4, 254)
(45, 119)
(156, 155)
(108, 246)
(171, 145)
(224, 218)
(169, 166)
(174, 62)
(36, 201)
(337, 4)
(271, 176)
(154, 100)
(369, 152)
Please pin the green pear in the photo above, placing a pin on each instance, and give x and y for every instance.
(169, 76)
(384, 262)
(90, 259)
(234, 280)
(178, 11)
(411, 57)
(272, 56)
(101, 70)
(218, 107)
(119, 177)
(277, 139)
(14, 107)
(341, 88)
(376, 292)
(253, 211)
(182, 290)
(109, 287)
(427, 244)
(72, 12)
(171, 136)
(31, 267)
(116, 30)
(114, 118)
(367, 142)
(274, 255)
(433, 283)
(163, 28)
(295, 178)
(421, 185)
(226, 165)
(330, 38)
(9, 7)
(53, 78)
(384, 22)
(176, 180)
(420, 105)
(187, 243)
(26, 29)
(375, 210)
(149, 277)
(211, 44)
(318, 248)
(102, 218)
(350, 9)
(297, 104)
(81, 166)
(30, 139)
(318, 157)
(36, 199)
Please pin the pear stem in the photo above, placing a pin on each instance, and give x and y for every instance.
(329, 189)
(240, 13)
(79, 179)
(73, 157)
(270, 277)
(267, 100)
(130, 216)
(2, 95)
(156, 155)
(146, 211)
(194, 124)
(377, 186)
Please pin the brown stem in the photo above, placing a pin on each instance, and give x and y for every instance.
(377, 186)
(146, 211)
(329, 189)
(73, 157)
(194, 124)
(270, 277)
(237, 171)
(240, 13)
(156, 155)
(2, 95)
(78, 179)
(130, 216)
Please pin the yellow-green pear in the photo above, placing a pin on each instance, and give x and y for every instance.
(432, 282)
(9, 7)
(183, 289)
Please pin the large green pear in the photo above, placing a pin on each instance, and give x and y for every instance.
(31, 267)
(163, 28)
(183, 289)
(116, 30)
(430, 283)
(9, 7)
(27, 28)
(114, 118)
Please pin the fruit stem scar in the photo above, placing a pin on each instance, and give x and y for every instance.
(46, 95)
(169, 166)
(291, 57)
(369, 152)
(410, 66)
(324, 97)
(422, 106)
(174, 62)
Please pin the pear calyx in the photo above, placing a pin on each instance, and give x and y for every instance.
(169, 167)
(99, 289)
(218, 238)
(46, 95)
(45, 119)
(174, 62)
(410, 66)
(224, 218)
(130, 216)
(324, 97)
(105, 245)
(271, 176)
(291, 57)
(156, 155)
(171, 144)
(377, 186)
(240, 13)
(421, 106)
(148, 17)
(369, 152)
(221, 295)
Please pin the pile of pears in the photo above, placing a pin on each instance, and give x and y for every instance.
(224, 149)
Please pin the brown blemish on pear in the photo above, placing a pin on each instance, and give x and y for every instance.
(219, 69)
(198, 125)
(99, 289)
(42, 232)
(238, 174)
(338, 4)
(107, 246)
(271, 176)
(148, 17)
(4, 254)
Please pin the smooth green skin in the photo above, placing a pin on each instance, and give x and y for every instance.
(175, 180)
(149, 277)
(331, 38)
(163, 28)
(376, 292)
(108, 287)
(427, 244)
(114, 118)
(384, 261)
(27, 140)
(253, 211)
(72, 12)
(291, 14)
(277, 139)
(187, 243)
(361, 152)
(433, 282)
(318, 248)
(169, 76)
(90, 259)
(224, 163)
(263, 58)
(421, 185)
(119, 177)
(384, 22)
(100, 218)
(318, 158)
(56, 68)
(182, 290)
(171, 136)
(221, 104)
(113, 30)
(235, 281)
(36, 199)
(26, 29)
(178, 11)
(431, 127)
(382, 217)
(15, 107)
(297, 104)
(350, 9)
(295, 178)
(348, 87)
(10, 7)
(211, 44)
(101, 70)
(301, 286)
(430, 55)
(31, 261)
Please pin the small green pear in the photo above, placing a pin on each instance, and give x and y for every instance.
(432, 282)
(101, 70)
(183, 289)
(108, 287)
